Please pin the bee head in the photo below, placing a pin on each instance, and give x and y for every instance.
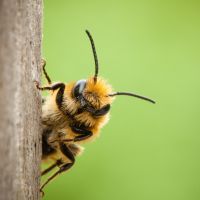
(95, 94)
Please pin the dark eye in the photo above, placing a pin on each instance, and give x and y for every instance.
(78, 88)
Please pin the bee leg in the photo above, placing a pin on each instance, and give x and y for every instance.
(52, 87)
(58, 163)
(66, 151)
(43, 64)
(84, 134)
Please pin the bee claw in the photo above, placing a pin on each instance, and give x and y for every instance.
(41, 192)
(36, 83)
(43, 62)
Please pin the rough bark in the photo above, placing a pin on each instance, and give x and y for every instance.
(20, 102)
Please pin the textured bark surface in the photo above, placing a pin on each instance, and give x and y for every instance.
(20, 102)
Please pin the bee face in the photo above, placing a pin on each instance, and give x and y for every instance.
(93, 96)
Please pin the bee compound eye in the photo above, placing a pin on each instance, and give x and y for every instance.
(79, 87)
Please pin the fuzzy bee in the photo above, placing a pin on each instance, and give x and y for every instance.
(72, 114)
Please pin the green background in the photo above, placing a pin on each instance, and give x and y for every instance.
(152, 48)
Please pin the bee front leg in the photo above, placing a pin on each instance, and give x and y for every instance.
(52, 87)
(84, 134)
(66, 151)
(43, 64)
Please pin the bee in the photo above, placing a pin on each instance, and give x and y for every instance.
(72, 114)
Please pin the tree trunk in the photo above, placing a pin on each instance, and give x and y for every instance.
(20, 102)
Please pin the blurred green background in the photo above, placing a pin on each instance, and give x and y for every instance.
(152, 48)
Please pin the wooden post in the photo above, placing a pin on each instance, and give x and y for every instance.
(20, 102)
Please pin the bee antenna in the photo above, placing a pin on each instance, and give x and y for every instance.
(95, 56)
(133, 95)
